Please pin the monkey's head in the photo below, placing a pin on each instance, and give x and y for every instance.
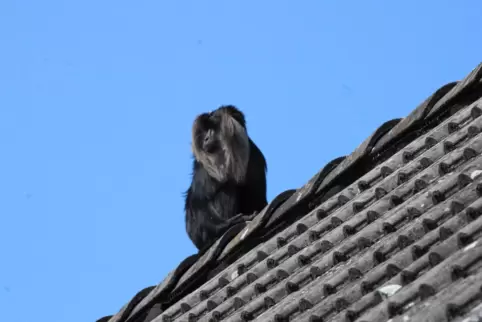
(221, 144)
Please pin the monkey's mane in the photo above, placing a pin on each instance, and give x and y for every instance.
(230, 162)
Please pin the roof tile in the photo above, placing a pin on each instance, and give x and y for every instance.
(402, 240)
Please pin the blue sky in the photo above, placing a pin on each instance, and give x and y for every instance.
(97, 99)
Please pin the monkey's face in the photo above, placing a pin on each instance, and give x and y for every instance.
(207, 127)
(206, 133)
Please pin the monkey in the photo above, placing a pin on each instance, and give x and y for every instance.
(228, 182)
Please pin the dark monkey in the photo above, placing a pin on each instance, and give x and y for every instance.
(229, 176)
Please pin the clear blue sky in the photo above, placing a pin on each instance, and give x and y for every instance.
(97, 99)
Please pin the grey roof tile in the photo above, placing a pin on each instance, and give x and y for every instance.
(401, 241)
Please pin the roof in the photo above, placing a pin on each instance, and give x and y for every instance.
(391, 231)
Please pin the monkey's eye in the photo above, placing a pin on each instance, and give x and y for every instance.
(210, 144)
(208, 136)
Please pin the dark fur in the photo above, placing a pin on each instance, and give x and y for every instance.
(229, 176)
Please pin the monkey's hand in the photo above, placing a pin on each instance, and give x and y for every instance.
(242, 217)
(251, 217)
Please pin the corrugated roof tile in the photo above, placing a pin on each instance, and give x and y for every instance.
(400, 241)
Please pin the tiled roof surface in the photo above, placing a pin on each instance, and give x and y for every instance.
(392, 231)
